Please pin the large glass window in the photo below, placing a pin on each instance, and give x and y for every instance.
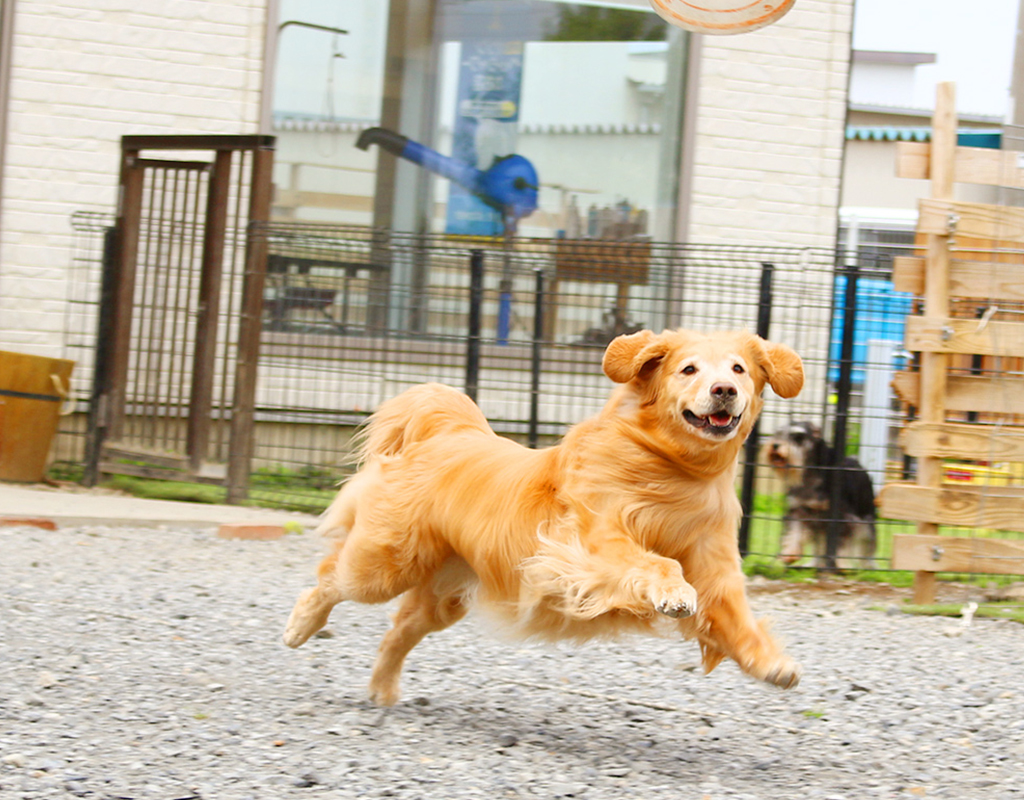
(590, 94)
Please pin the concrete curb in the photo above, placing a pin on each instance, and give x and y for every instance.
(72, 507)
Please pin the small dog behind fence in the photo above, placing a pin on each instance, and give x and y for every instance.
(806, 463)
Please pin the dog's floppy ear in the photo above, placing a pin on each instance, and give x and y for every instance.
(782, 366)
(630, 355)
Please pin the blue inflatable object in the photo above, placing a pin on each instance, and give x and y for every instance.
(508, 185)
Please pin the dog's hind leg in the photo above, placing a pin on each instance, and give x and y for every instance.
(794, 537)
(432, 606)
(372, 565)
(314, 605)
(857, 545)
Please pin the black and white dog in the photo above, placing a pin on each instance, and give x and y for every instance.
(806, 463)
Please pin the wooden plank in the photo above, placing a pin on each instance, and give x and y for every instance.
(977, 165)
(942, 217)
(957, 554)
(908, 274)
(989, 280)
(952, 440)
(599, 261)
(924, 334)
(944, 335)
(935, 366)
(160, 473)
(114, 451)
(1001, 395)
(999, 507)
(913, 160)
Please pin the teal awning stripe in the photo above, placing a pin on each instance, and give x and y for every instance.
(883, 133)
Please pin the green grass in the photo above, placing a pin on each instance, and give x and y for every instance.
(265, 491)
(153, 489)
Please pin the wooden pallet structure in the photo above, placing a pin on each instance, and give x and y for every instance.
(965, 407)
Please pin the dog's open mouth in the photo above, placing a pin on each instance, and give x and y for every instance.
(777, 460)
(718, 424)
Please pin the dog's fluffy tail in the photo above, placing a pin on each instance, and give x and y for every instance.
(419, 413)
(427, 410)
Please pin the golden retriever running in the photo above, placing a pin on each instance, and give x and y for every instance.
(629, 521)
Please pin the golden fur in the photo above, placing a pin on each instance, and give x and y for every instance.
(628, 524)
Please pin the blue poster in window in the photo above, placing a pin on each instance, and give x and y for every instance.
(486, 122)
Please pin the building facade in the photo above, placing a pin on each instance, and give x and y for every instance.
(725, 140)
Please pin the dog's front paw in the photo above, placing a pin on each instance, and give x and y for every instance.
(785, 674)
(678, 602)
(384, 692)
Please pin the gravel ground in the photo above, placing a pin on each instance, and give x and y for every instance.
(146, 663)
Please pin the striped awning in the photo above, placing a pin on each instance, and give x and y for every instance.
(966, 137)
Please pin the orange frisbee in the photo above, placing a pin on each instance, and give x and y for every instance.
(721, 16)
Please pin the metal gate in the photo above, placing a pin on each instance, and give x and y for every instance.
(181, 310)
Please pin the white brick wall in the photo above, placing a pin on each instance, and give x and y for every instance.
(85, 73)
(769, 140)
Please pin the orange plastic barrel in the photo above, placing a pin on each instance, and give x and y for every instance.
(32, 389)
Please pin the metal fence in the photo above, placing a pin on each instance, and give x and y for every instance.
(353, 316)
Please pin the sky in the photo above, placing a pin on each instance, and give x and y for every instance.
(973, 40)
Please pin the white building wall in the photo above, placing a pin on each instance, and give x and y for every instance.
(85, 73)
(770, 128)
(882, 85)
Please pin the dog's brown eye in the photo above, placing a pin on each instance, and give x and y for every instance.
(738, 368)
(689, 369)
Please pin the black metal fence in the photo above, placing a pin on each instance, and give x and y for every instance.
(354, 315)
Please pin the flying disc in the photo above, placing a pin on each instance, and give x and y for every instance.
(721, 16)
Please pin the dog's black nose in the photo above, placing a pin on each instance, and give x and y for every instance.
(723, 390)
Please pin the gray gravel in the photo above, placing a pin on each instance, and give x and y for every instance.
(146, 663)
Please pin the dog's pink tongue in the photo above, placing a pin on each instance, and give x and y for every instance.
(720, 419)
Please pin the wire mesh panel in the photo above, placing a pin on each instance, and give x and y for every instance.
(353, 316)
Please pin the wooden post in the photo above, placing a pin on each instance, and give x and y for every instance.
(205, 352)
(936, 305)
(129, 220)
(243, 414)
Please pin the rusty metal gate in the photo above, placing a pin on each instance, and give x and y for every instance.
(181, 310)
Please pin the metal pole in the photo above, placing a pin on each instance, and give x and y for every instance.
(99, 396)
(535, 356)
(476, 294)
(764, 320)
(505, 287)
(843, 390)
